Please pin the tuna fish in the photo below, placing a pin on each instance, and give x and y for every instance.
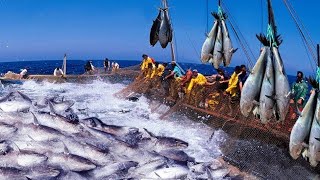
(267, 103)
(22, 159)
(178, 172)
(217, 51)
(165, 31)
(227, 45)
(301, 128)
(15, 102)
(154, 33)
(208, 45)
(314, 144)
(282, 87)
(251, 90)
(113, 171)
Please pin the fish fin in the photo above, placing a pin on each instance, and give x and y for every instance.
(234, 50)
(206, 34)
(24, 96)
(150, 133)
(221, 52)
(12, 142)
(298, 111)
(209, 174)
(52, 110)
(317, 139)
(35, 120)
(157, 175)
(65, 149)
(273, 97)
(31, 138)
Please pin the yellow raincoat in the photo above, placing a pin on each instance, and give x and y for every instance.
(200, 80)
(145, 63)
(233, 85)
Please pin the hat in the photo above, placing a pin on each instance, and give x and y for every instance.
(194, 70)
(173, 62)
(143, 55)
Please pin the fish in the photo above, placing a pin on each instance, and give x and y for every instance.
(177, 172)
(251, 89)
(15, 102)
(12, 173)
(154, 33)
(165, 30)
(22, 159)
(217, 51)
(217, 174)
(60, 107)
(57, 122)
(112, 171)
(162, 142)
(266, 101)
(208, 45)
(70, 162)
(5, 147)
(177, 155)
(301, 128)
(282, 87)
(7, 129)
(96, 155)
(314, 144)
(42, 172)
(11, 118)
(142, 170)
(228, 50)
(37, 132)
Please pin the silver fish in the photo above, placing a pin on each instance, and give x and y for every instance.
(301, 128)
(70, 162)
(217, 58)
(227, 45)
(251, 89)
(282, 87)
(208, 45)
(178, 172)
(314, 144)
(112, 170)
(22, 159)
(165, 31)
(266, 101)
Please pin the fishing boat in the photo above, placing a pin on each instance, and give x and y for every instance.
(221, 112)
(121, 74)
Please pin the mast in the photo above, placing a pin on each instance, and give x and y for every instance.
(318, 52)
(173, 56)
(172, 46)
(64, 65)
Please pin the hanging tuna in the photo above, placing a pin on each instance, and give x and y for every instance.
(217, 48)
(165, 30)
(154, 33)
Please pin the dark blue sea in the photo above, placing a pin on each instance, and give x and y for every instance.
(77, 66)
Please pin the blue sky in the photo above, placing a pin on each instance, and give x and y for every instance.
(95, 29)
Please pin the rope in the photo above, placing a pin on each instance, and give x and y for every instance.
(270, 36)
(304, 39)
(220, 13)
(207, 17)
(243, 43)
(262, 20)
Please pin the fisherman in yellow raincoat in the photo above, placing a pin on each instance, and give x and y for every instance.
(146, 65)
(197, 79)
(233, 86)
(157, 70)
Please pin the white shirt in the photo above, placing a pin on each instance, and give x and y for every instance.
(116, 66)
(92, 67)
(58, 72)
(23, 72)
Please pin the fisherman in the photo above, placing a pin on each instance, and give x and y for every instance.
(24, 73)
(89, 68)
(106, 65)
(233, 85)
(58, 72)
(185, 80)
(157, 70)
(243, 76)
(222, 77)
(115, 66)
(166, 82)
(174, 78)
(197, 80)
(298, 93)
(145, 64)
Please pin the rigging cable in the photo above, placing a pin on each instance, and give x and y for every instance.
(243, 43)
(304, 28)
(304, 39)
